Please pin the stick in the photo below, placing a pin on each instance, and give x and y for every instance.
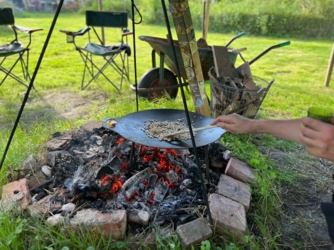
(194, 130)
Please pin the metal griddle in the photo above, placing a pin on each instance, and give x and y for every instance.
(131, 127)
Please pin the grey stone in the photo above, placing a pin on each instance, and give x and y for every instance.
(194, 232)
(138, 216)
(30, 163)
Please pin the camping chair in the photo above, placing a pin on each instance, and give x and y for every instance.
(15, 49)
(115, 55)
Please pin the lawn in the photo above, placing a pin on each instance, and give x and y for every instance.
(298, 69)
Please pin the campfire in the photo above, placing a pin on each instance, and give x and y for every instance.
(97, 176)
(97, 170)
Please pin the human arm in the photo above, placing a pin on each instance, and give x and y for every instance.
(236, 124)
(317, 136)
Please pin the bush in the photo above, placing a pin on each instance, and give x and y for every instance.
(313, 18)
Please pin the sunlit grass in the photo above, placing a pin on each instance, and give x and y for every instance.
(298, 69)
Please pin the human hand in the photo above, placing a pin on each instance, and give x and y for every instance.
(234, 123)
(318, 137)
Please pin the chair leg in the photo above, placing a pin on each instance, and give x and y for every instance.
(9, 72)
(25, 71)
(92, 74)
(90, 67)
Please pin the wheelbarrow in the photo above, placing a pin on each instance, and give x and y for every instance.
(158, 81)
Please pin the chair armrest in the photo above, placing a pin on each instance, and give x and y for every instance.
(76, 33)
(127, 32)
(26, 30)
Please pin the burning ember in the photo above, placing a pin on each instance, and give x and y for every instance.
(105, 171)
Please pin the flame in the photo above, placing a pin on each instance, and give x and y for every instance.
(147, 158)
(135, 194)
(151, 198)
(178, 170)
(172, 184)
(172, 151)
(145, 182)
(124, 166)
(116, 185)
(105, 179)
(120, 140)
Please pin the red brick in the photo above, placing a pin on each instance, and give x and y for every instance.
(109, 224)
(17, 186)
(240, 170)
(229, 216)
(235, 190)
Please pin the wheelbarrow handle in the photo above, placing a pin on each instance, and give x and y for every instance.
(237, 36)
(268, 49)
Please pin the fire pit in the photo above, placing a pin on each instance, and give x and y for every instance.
(98, 177)
(95, 170)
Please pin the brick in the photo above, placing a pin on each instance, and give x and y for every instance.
(229, 216)
(90, 126)
(240, 170)
(235, 190)
(194, 232)
(11, 202)
(138, 216)
(58, 143)
(9, 190)
(109, 224)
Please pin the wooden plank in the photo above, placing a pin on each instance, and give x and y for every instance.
(245, 71)
(222, 61)
(205, 21)
(330, 69)
(188, 46)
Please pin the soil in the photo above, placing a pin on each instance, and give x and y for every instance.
(301, 225)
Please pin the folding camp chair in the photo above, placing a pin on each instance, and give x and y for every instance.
(116, 55)
(15, 49)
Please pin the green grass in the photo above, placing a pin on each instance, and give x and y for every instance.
(299, 71)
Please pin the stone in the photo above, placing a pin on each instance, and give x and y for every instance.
(57, 219)
(58, 143)
(229, 216)
(10, 190)
(68, 208)
(90, 126)
(240, 170)
(43, 207)
(109, 224)
(227, 155)
(30, 163)
(138, 216)
(235, 190)
(47, 171)
(194, 232)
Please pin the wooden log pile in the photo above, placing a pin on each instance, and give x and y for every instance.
(234, 90)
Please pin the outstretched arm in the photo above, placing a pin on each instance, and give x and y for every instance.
(317, 136)
(236, 124)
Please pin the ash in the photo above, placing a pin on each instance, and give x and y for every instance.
(97, 171)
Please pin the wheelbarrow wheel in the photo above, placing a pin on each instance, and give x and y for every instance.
(151, 80)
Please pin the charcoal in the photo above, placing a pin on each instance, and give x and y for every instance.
(163, 182)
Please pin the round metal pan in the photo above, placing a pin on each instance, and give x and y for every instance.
(131, 127)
